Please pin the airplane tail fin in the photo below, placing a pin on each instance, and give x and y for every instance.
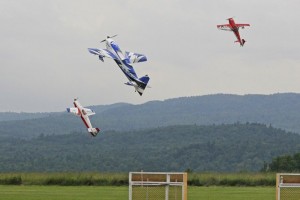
(143, 84)
(139, 85)
(243, 42)
(93, 131)
(145, 79)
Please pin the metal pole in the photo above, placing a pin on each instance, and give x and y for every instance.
(167, 187)
(130, 186)
(175, 191)
(147, 192)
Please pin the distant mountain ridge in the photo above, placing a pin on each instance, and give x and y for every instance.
(12, 116)
(280, 110)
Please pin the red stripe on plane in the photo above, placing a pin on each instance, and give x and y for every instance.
(84, 122)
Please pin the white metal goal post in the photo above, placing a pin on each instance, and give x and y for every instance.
(157, 186)
(287, 186)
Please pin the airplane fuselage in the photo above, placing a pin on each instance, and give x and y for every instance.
(122, 61)
(235, 30)
(82, 115)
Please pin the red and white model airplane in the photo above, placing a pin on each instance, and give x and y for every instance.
(84, 113)
(232, 26)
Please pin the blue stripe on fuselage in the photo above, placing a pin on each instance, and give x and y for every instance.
(115, 47)
(128, 71)
(110, 53)
(130, 74)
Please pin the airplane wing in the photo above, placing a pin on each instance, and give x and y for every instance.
(135, 57)
(224, 27)
(102, 53)
(88, 111)
(242, 25)
(75, 111)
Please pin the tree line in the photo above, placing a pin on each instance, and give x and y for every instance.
(285, 163)
(221, 148)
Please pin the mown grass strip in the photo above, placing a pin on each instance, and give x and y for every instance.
(63, 193)
(121, 193)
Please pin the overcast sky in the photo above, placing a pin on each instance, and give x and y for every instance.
(44, 60)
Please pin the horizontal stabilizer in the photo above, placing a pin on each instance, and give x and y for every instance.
(130, 83)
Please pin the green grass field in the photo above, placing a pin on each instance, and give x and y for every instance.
(121, 193)
(231, 193)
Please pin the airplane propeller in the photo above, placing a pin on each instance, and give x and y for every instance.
(230, 18)
(108, 37)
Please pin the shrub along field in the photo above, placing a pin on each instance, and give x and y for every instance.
(121, 179)
(232, 179)
(64, 179)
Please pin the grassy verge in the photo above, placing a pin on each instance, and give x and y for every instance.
(121, 179)
(232, 179)
(63, 193)
(121, 193)
(231, 193)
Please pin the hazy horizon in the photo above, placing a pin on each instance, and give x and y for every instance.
(71, 105)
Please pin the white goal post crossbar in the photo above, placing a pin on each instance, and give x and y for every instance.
(149, 183)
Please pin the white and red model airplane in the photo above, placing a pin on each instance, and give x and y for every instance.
(84, 113)
(232, 26)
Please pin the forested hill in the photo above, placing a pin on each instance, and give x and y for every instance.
(236, 147)
(279, 110)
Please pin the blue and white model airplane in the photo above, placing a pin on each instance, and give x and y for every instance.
(124, 61)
